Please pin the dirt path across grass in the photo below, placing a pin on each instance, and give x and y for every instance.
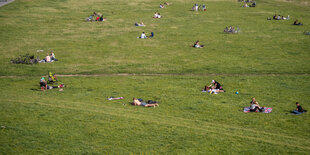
(161, 74)
(5, 2)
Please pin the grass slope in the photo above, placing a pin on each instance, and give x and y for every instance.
(265, 60)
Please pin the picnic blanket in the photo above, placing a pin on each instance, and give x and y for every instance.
(265, 110)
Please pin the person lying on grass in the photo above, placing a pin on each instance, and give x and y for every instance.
(136, 102)
(197, 45)
(44, 86)
(297, 23)
(299, 109)
(140, 24)
(161, 6)
(254, 106)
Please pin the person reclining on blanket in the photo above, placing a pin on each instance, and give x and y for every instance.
(139, 24)
(136, 102)
(299, 109)
(44, 86)
(297, 23)
(254, 106)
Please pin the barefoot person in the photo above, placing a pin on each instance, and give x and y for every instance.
(136, 102)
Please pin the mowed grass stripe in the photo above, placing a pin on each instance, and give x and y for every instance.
(180, 122)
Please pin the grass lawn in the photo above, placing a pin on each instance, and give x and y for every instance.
(267, 59)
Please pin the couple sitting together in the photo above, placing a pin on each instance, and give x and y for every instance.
(49, 58)
(157, 15)
(215, 88)
(140, 102)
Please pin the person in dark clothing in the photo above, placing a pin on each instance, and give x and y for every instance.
(297, 23)
(299, 109)
(216, 85)
(152, 34)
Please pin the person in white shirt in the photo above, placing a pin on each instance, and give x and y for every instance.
(143, 36)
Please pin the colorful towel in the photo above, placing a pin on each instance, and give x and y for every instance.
(117, 98)
(265, 110)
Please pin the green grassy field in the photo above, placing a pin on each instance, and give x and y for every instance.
(267, 59)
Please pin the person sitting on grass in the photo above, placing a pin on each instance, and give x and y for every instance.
(297, 23)
(299, 109)
(136, 102)
(53, 56)
(157, 15)
(197, 45)
(254, 106)
(152, 34)
(139, 24)
(161, 6)
(143, 36)
(204, 8)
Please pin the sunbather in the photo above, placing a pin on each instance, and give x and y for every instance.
(299, 109)
(136, 102)
(48, 58)
(139, 24)
(297, 23)
(197, 45)
(254, 106)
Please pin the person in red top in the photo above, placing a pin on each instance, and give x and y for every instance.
(97, 19)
